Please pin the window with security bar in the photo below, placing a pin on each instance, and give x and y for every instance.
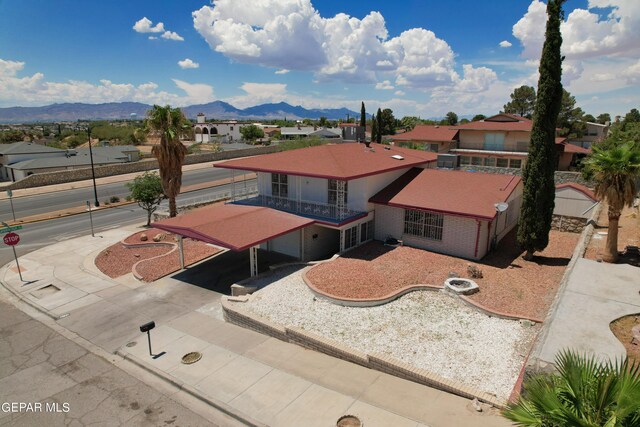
(332, 197)
(279, 185)
(423, 224)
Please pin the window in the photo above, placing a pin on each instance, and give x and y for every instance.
(502, 163)
(279, 185)
(490, 161)
(423, 224)
(476, 161)
(366, 231)
(350, 237)
(494, 141)
(515, 163)
(332, 197)
(465, 160)
(522, 146)
(432, 147)
(231, 127)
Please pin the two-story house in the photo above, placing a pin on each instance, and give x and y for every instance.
(503, 141)
(435, 138)
(318, 201)
(219, 131)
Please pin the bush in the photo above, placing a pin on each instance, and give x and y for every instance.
(114, 199)
(129, 198)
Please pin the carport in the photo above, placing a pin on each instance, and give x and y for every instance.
(236, 227)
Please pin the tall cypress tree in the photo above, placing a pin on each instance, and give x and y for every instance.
(374, 129)
(363, 116)
(539, 188)
(379, 126)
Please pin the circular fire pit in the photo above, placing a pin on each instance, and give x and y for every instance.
(461, 286)
(192, 357)
(349, 421)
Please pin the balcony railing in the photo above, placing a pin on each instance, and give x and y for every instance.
(519, 147)
(305, 208)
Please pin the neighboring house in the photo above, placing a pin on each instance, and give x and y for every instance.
(317, 201)
(20, 170)
(296, 132)
(503, 141)
(352, 132)
(24, 150)
(126, 153)
(439, 139)
(223, 131)
(594, 132)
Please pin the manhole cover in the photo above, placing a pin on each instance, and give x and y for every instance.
(349, 421)
(131, 344)
(192, 357)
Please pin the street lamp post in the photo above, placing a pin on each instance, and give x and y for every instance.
(93, 172)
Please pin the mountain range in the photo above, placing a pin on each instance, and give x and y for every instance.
(70, 112)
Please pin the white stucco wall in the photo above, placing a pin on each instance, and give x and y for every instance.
(288, 244)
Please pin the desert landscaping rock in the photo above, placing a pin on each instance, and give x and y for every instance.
(429, 330)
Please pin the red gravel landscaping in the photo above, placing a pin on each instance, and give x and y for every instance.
(119, 259)
(509, 284)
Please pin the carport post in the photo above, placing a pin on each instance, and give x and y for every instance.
(181, 252)
(253, 260)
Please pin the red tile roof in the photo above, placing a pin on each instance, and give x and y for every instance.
(469, 194)
(578, 187)
(570, 148)
(428, 133)
(236, 227)
(334, 161)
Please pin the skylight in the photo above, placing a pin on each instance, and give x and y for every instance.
(397, 157)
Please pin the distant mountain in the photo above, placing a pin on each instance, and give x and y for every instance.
(125, 110)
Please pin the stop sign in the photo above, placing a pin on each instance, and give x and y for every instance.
(11, 239)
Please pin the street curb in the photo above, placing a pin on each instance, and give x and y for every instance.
(25, 300)
(221, 406)
(536, 365)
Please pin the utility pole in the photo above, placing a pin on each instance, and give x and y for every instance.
(93, 172)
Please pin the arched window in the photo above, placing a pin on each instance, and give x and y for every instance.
(205, 131)
(214, 131)
(198, 130)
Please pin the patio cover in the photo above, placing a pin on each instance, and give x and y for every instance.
(236, 227)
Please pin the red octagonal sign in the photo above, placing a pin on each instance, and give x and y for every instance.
(11, 239)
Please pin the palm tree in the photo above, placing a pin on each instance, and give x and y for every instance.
(614, 170)
(169, 123)
(584, 392)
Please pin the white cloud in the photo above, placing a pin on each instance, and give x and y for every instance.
(400, 93)
(291, 35)
(384, 85)
(153, 38)
(188, 63)
(146, 26)
(36, 90)
(170, 35)
(282, 71)
(505, 43)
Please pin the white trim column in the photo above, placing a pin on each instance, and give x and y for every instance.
(253, 260)
(181, 252)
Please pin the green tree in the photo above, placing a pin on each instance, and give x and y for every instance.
(522, 102)
(251, 132)
(538, 174)
(478, 117)
(589, 118)
(374, 129)
(615, 171)
(323, 122)
(379, 126)
(632, 116)
(450, 119)
(169, 123)
(464, 121)
(603, 118)
(585, 392)
(363, 116)
(146, 189)
(388, 125)
(570, 120)
(409, 122)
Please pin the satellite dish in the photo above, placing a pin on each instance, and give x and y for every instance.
(501, 207)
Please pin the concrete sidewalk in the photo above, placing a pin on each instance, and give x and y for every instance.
(596, 294)
(253, 377)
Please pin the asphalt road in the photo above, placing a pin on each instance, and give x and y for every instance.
(48, 202)
(39, 234)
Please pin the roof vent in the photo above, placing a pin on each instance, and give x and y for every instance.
(397, 157)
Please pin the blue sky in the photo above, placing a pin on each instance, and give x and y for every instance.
(420, 58)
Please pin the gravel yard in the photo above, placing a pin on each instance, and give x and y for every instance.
(118, 259)
(509, 284)
(427, 329)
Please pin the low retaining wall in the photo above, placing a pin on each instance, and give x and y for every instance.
(61, 177)
(234, 313)
(560, 177)
(568, 223)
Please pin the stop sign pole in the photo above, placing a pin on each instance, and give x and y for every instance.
(12, 239)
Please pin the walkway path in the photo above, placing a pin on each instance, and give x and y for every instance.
(250, 376)
(595, 295)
